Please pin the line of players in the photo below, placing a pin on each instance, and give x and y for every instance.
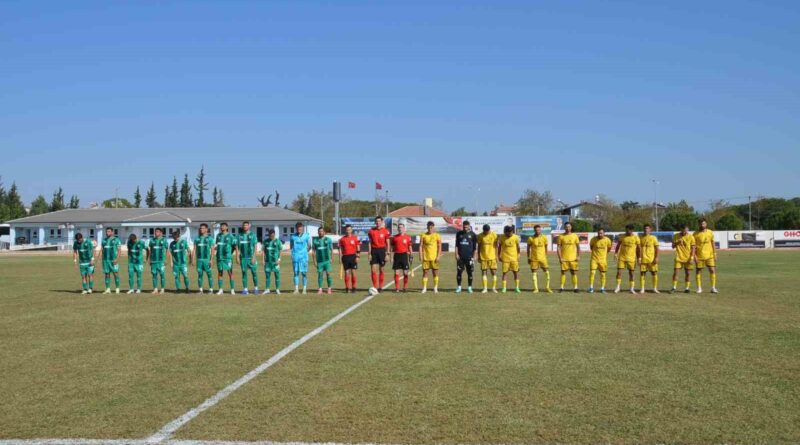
(692, 251)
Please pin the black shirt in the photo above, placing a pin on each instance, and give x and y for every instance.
(466, 243)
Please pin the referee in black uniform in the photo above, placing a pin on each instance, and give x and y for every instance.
(466, 246)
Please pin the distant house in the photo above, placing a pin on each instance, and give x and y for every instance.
(504, 210)
(575, 211)
(418, 211)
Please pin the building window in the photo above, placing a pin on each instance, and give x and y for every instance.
(91, 233)
(52, 232)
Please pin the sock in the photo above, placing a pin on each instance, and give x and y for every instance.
(469, 278)
(330, 280)
(602, 280)
(713, 277)
(305, 280)
(91, 284)
(591, 278)
(130, 281)
(382, 279)
(563, 280)
(353, 279)
(458, 277)
(296, 280)
(575, 281)
(655, 281)
(255, 279)
(116, 281)
(233, 284)
(163, 280)
(688, 284)
(177, 282)
(674, 284)
(397, 280)
(346, 281)
(517, 282)
(547, 279)
(494, 282)
(186, 281)
(278, 280)
(425, 283)
(219, 283)
(436, 281)
(138, 281)
(244, 279)
(107, 281)
(374, 279)
(319, 279)
(504, 283)
(642, 281)
(83, 285)
(268, 280)
(619, 282)
(699, 281)
(633, 283)
(485, 281)
(405, 281)
(155, 281)
(535, 282)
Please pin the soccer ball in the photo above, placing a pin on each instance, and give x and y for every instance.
(373, 291)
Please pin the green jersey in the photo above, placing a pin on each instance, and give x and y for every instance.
(322, 249)
(225, 245)
(272, 250)
(110, 248)
(179, 250)
(246, 244)
(158, 250)
(202, 247)
(85, 250)
(135, 251)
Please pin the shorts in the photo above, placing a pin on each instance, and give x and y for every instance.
(110, 267)
(401, 261)
(569, 265)
(249, 264)
(203, 266)
(178, 269)
(135, 268)
(350, 262)
(630, 265)
(157, 268)
(711, 262)
(378, 256)
(324, 266)
(512, 266)
(272, 268)
(488, 264)
(300, 266)
(649, 267)
(430, 265)
(224, 265)
(688, 265)
(595, 265)
(86, 269)
(536, 264)
(465, 264)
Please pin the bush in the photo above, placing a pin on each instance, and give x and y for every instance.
(729, 222)
(674, 219)
(581, 225)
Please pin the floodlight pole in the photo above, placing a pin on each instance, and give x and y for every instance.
(655, 201)
(750, 212)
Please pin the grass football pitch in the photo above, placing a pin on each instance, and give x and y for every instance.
(409, 368)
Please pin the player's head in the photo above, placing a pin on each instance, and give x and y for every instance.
(176, 234)
(299, 228)
(132, 238)
(158, 232)
(703, 223)
(203, 228)
(321, 231)
(537, 229)
(430, 226)
(486, 228)
(246, 226)
(401, 227)
(223, 227)
(109, 231)
(79, 237)
(466, 226)
(648, 229)
(271, 233)
(379, 221)
(508, 230)
(601, 232)
(568, 227)
(629, 229)
(684, 228)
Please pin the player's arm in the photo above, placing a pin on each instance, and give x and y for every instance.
(439, 248)
(578, 249)
(499, 249)
(713, 248)
(191, 251)
(147, 253)
(616, 250)
(655, 254)
(518, 250)
(693, 255)
(639, 253)
(474, 243)
(75, 257)
(457, 255)
(558, 250)
(254, 244)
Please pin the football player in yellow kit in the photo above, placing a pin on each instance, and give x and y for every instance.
(628, 253)
(684, 245)
(537, 258)
(706, 255)
(600, 245)
(569, 251)
(649, 245)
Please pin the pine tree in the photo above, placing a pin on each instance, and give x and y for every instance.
(150, 199)
(137, 198)
(186, 193)
(3, 206)
(201, 187)
(173, 194)
(220, 202)
(14, 205)
(74, 202)
(39, 206)
(58, 201)
(167, 197)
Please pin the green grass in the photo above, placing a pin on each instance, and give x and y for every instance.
(412, 368)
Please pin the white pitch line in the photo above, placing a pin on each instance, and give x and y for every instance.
(166, 442)
(169, 429)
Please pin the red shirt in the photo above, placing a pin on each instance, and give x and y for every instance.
(378, 237)
(401, 243)
(349, 245)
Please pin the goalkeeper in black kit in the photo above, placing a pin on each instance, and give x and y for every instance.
(466, 246)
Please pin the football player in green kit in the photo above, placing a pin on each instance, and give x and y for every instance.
(156, 253)
(225, 244)
(246, 253)
(83, 257)
(136, 248)
(272, 261)
(110, 251)
(178, 255)
(203, 248)
(323, 250)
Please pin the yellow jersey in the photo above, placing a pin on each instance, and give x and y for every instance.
(509, 245)
(569, 246)
(600, 248)
(649, 244)
(487, 247)
(537, 247)
(429, 245)
(683, 247)
(627, 247)
(704, 239)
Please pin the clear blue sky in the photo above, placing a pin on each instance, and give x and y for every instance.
(429, 98)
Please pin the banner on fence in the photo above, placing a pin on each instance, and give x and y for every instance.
(362, 225)
(786, 238)
(549, 223)
(737, 240)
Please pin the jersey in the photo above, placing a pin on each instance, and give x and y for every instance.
(179, 250)
(349, 245)
(246, 244)
(569, 246)
(202, 247)
(429, 245)
(627, 247)
(110, 248)
(84, 249)
(272, 250)
(599, 247)
(683, 247)
(508, 248)
(225, 245)
(299, 245)
(704, 240)
(135, 251)
(466, 243)
(158, 250)
(401, 243)
(486, 246)
(537, 248)
(322, 249)
(378, 237)
(649, 245)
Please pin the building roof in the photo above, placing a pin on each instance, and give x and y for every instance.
(503, 208)
(411, 211)
(154, 215)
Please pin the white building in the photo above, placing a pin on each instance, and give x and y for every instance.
(59, 228)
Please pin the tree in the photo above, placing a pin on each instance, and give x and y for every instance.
(57, 203)
(173, 194)
(438, 204)
(629, 205)
(581, 225)
(299, 204)
(201, 186)
(74, 202)
(150, 199)
(729, 222)
(116, 203)
(219, 198)
(167, 197)
(137, 198)
(39, 206)
(680, 205)
(784, 220)
(533, 202)
(461, 211)
(14, 206)
(675, 219)
(185, 199)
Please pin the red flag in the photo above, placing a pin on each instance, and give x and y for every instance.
(351, 185)
(378, 186)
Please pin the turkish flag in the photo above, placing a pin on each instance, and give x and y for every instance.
(378, 186)
(351, 185)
